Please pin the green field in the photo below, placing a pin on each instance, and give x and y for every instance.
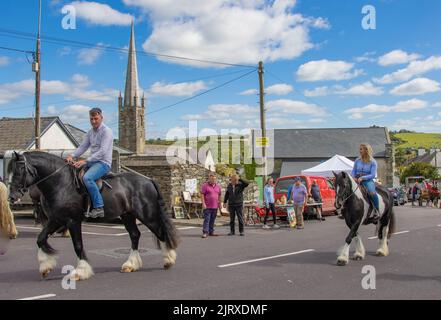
(419, 140)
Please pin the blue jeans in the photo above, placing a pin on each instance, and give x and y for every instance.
(95, 170)
(209, 218)
(370, 186)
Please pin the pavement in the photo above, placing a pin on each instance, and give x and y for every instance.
(281, 264)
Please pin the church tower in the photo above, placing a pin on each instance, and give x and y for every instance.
(131, 108)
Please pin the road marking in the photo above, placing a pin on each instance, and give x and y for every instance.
(105, 234)
(266, 258)
(44, 296)
(23, 227)
(439, 225)
(394, 234)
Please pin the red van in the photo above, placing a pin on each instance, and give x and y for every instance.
(326, 188)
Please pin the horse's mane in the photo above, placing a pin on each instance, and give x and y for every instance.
(51, 158)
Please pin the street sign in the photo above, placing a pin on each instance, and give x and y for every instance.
(262, 142)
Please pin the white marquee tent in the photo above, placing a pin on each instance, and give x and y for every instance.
(337, 164)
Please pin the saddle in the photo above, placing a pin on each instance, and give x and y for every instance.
(100, 182)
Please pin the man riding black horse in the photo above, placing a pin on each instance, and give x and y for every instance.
(100, 140)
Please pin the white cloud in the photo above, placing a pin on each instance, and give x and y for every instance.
(237, 31)
(416, 87)
(249, 92)
(75, 113)
(397, 57)
(4, 61)
(76, 89)
(367, 57)
(415, 68)
(227, 123)
(183, 89)
(364, 89)
(322, 70)
(224, 112)
(402, 106)
(436, 105)
(317, 92)
(294, 107)
(88, 56)
(278, 89)
(100, 14)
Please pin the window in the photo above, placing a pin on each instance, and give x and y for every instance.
(283, 185)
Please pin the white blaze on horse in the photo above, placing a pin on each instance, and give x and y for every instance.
(356, 207)
(131, 197)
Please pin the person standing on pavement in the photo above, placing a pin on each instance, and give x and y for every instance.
(234, 197)
(268, 196)
(317, 196)
(299, 194)
(211, 202)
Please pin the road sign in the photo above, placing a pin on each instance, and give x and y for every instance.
(262, 142)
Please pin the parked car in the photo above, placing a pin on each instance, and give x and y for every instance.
(399, 196)
(326, 189)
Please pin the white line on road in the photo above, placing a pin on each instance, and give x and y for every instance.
(23, 227)
(266, 258)
(105, 234)
(396, 233)
(44, 296)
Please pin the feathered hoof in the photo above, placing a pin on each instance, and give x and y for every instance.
(168, 265)
(357, 257)
(342, 262)
(381, 253)
(65, 234)
(45, 273)
(127, 269)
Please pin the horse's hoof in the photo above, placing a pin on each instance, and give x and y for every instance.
(342, 263)
(45, 273)
(127, 269)
(168, 265)
(75, 277)
(357, 258)
(65, 234)
(381, 253)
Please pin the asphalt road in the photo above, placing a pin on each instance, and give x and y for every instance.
(265, 264)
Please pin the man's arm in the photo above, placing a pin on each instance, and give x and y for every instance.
(83, 147)
(227, 195)
(244, 182)
(106, 145)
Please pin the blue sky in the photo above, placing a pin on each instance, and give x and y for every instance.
(322, 68)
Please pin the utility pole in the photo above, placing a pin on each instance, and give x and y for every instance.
(264, 141)
(36, 68)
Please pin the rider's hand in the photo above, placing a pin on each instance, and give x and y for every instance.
(359, 180)
(69, 159)
(79, 163)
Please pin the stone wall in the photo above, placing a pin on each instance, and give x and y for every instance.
(171, 178)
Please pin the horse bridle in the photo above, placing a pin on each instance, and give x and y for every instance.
(352, 193)
(32, 171)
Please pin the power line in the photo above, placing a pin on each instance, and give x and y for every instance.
(17, 50)
(197, 95)
(54, 40)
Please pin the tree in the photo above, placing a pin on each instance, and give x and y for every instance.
(419, 169)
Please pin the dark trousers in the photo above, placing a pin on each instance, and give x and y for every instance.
(236, 210)
(273, 210)
(209, 218)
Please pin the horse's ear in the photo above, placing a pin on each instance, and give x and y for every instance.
(335, 175)
(15, 155)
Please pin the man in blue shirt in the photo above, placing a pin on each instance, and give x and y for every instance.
(100, 141)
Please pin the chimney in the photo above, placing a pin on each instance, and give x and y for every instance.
(421, 152)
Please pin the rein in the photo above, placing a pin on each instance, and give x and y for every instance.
(344, 201)
(41, 180)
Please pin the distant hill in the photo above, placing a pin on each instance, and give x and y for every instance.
(418, 140)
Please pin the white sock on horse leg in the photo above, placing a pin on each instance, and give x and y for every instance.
(134, 261)
(47, 262)
(84, 271)
(359, 247)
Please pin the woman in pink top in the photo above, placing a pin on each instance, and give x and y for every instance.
(211, 201)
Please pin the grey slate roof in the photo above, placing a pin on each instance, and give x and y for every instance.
(18, 133)
(325, 143)
(428, 158)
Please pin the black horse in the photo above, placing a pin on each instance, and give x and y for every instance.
(130, 197)
(356, 206)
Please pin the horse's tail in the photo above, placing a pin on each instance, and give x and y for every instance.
(169, 232)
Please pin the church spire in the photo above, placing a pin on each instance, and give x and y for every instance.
(132, 88)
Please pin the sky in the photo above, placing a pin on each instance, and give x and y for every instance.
(327, 63)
